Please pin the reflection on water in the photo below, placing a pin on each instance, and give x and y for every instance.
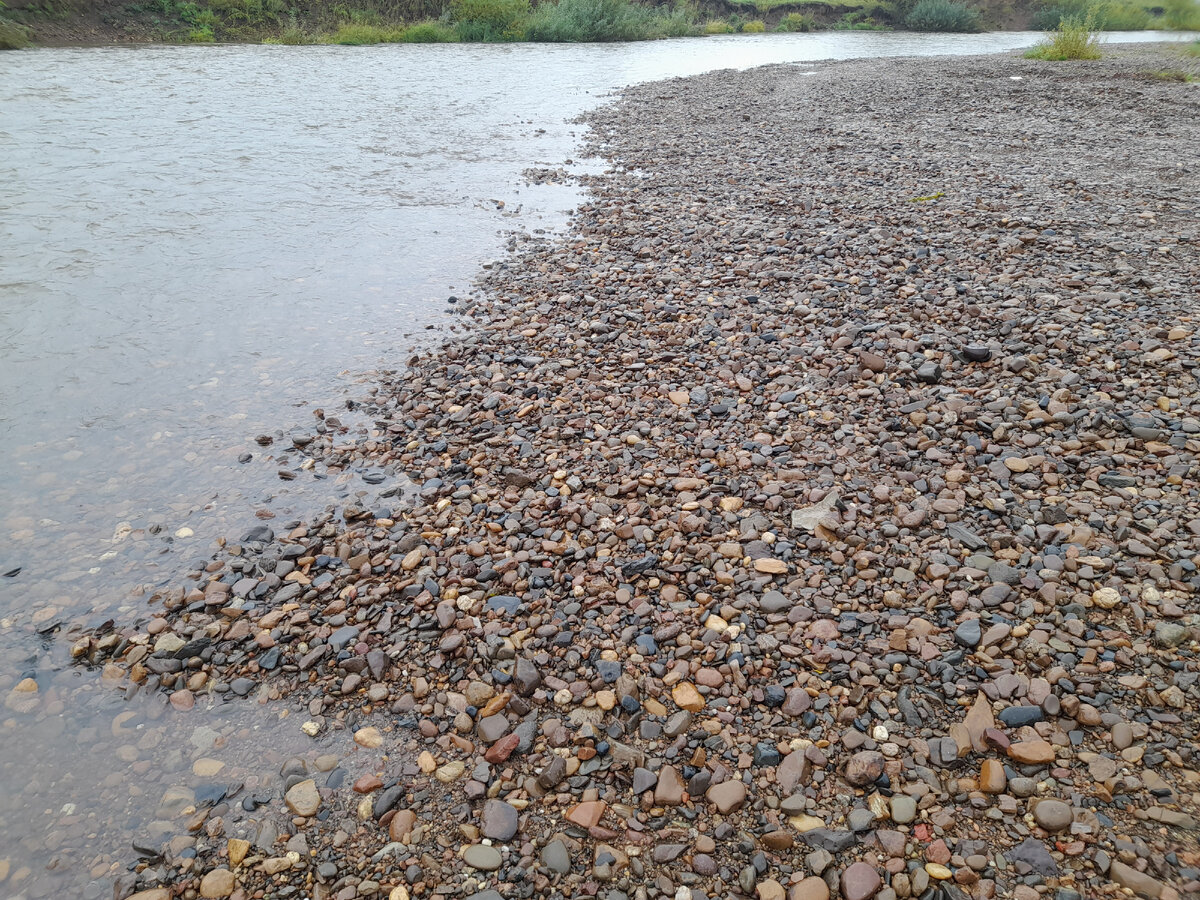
(202, 245)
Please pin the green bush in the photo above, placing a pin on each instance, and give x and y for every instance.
(680, 21)
(589, 21)
(428, 33)
(942, 15)
(797, 22)
(249, 12)
(490, 20)
(294, 35)
(1181, 15)
(203, 35)
(1109, 15)
(13, 36)
(352, 35)
(754, 26)
(718, 27)
(858, 21)
(1075, 38)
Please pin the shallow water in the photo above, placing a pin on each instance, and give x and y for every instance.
(204, 244)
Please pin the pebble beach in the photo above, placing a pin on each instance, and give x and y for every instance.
(818, 516)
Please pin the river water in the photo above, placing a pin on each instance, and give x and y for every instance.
(201, 245)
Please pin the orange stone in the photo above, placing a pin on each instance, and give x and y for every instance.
(402, 824)
(494, 705)
(1032, 753)
(687, 697)
(587, 814)
(992, 779)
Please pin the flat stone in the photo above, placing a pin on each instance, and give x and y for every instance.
(670, 788)
(864, 768)
(482, 857)
(1138, 882)
(236, 849)
(586, 814)
(1034, 854)
(303, 799)
(969, 633)
(795, 770)
(903, 808)
(860, 881)
(491, 728)
(368, 737)
(992, 779)
(498, 820)
(687, 697)
(400, 828)
(643, 780)
(556, 857)
(1052, 815)
(728, 796)
(774, 602)
(526, 677)
(811, 888)
(217, 884)
(1032, 753)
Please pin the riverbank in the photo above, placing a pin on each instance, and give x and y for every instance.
(821, 508)
(117, 22)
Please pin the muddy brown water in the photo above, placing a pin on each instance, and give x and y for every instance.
(201, 245)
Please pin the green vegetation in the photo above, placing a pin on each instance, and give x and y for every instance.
(13, 35)
(590, 21)
(490, 20)
(1192, 49)
(1176, 75)
(937, 196)
(300, 22)
(1181, 15)
(1109, 15)
(1122, 15)
(797, 22)
(352, 35)
(428, 33)
(1075, 38)
(942, 15)
(859, 21)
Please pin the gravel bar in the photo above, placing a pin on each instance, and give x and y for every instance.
(818, 517)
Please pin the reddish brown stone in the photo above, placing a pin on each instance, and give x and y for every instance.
(368, 783)
(586, 814)
(502, 749)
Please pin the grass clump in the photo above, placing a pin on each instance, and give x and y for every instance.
(754, 26)
(294, 35)
(797, 23)
(428, 33)
(589, 21)
(13, 35)
(1175, 75)
(942, 15)
(718, 27)
(1074, 38)
(1181, 15)
(357, 35)
(1192, 49)
(490, 20)
(1109, 15)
